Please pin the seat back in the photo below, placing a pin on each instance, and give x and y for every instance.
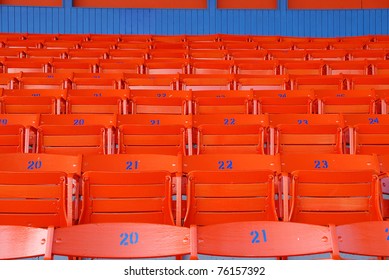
(37, 189)
(229, 188)
(129, 188)
(333, 189)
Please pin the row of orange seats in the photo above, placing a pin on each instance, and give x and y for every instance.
(209, 54)
(195, 82)
(276, 240)
(58, 190)
(172, 42)
(202, 134)
(194, 66)
(176, 102)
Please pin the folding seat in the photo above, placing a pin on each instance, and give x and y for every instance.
(122, 241)
(333, 82)
(250, 67)
(199, 66)
(202, 38)
(332, 189)
(262, 82)
(294, 39)
(212, 54)
(152, 82)
(380, 67)
(8, 81)
(128, 54)
(74, 65)
(100, 45)
(346, 101)
(348, 67)
(24, 43)
(62, 44)
(368, 54)
(40, 81)
(275, 45)
(136, 38)
(156, 134)
(16, 65)
(46, 53)
(20, 242)
(168, 54)
(97, 81)
(253, 55)
(233, 38)
(18, 133)
(283, 101)
(74, 54)
(33, 101)
(134, 66)
(205, 46)
(382, 45)
(328, 55)
(104, 38)
(37, 190)
(230, 133)
(226, 188)
(312, 45)
(299, 55)
(129, 188)
(240, 45)
(168, 45)
(76, 134)
(263, 239)
(265, 39)
(207, 82)
(370, 82)
(370, 138)
(303, 67)
(363, 239)
(166, 66)
(92, 101)
(350, 45)
(154, 105)
(222, 102)
(298, 133)
(13, 53)
(140, 45)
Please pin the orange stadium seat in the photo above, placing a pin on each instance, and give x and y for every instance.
(262, 239)
(166, 66)
(346, 101)
(206, 82)
(230, 187)
(303, 67)
(332, 189)
(76, 134)
(250, 67)
(121, 241)
(152, 82)
(283, 101)
(129, 188)
(299, 133)
(19, 242)
(365, 238)
(18, 133)
(262, 82)
(230, 133)
(37, 189)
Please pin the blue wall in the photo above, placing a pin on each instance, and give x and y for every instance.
(313, 23)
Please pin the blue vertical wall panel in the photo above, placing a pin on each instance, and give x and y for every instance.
(282, 21)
